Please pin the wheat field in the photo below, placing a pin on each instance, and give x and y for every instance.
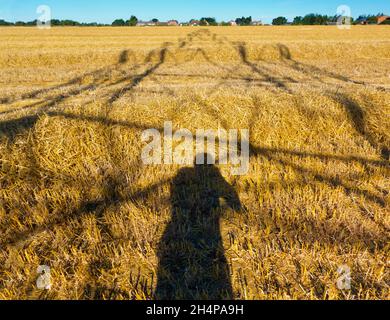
(75, 195)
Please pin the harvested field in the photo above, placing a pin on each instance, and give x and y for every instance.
(76, 196)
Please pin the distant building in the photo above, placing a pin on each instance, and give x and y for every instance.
(173, 23)
(194, 23)
(362, 21)
(233, 23)
(257, 23)
(383, 20)
(146, 23)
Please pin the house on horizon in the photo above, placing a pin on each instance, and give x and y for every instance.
(362, 21)
(194, 23)
(173, 23)
(256, 23)
(146, 23)
(383, 19)
(233, 23)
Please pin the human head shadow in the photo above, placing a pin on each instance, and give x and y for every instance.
(192, 263)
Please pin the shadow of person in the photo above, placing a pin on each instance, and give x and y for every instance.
(192, 263)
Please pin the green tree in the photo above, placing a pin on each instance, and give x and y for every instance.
(132, 21)
(279, 21)
(5, 23)
(298, 20)
(69, 23)
(244, 21)
(55, 22)
(32, 23)
(208, 22)
(119, 23)
(315, 19)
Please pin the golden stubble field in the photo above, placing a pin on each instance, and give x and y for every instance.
(76, 197)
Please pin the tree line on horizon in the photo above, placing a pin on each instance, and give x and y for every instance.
(309, 19)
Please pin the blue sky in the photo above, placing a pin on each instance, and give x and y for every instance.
(106, 11)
